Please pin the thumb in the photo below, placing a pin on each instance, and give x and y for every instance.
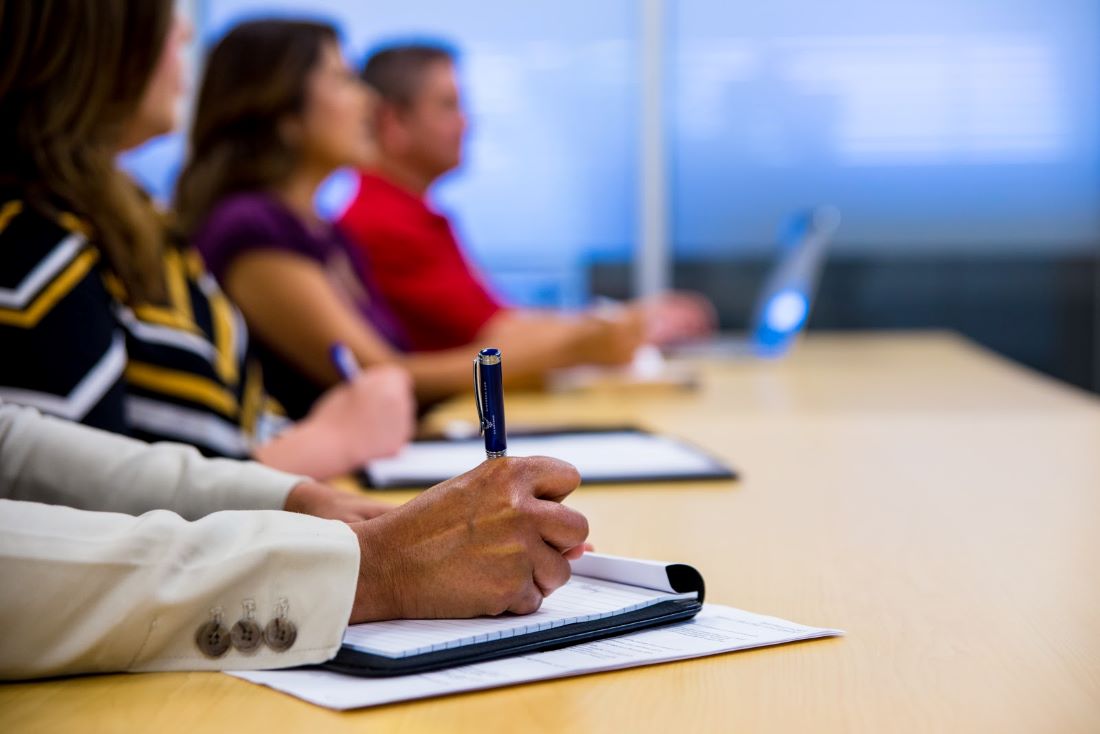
(549, 479)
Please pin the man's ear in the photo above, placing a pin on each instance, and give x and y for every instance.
(391, 128)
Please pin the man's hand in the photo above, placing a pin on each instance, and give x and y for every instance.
(493, 540)
(612, 338)
(321, 500)
(677, 316)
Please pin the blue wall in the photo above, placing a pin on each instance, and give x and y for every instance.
(936, 125)
(933, 124)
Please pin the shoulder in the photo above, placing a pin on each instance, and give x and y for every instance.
(241, 223)
(382, 206)
(246, 211)
(41, 254)
(57, 315)
(386, 221)
(27, 232)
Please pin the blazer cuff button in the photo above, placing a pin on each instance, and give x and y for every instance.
(246, 635)
(280, 632)
(212, 638)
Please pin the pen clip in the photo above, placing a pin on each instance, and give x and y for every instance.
(482, 424)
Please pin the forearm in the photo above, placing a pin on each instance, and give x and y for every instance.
(98, 592)
(537, 342)
(53, 461)
(440, 375)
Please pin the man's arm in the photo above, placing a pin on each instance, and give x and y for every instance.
(100, 591)
(44, 459)
(88, 592)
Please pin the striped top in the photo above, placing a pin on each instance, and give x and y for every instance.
(71, 347)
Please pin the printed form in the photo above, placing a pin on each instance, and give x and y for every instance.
(716, 629)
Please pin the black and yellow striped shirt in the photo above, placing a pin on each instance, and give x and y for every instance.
(71, 347)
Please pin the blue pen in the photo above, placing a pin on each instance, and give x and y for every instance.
(489, 397)
(345, 362)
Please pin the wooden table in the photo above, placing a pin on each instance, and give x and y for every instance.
(938, 503)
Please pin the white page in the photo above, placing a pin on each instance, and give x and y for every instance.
(623, 454)
(716, 629)
(632, 571)
(581, 599)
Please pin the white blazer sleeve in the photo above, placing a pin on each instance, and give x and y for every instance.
(84, 591)
(87, 592)
(44, 459)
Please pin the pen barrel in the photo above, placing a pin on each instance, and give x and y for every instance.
(492, 400)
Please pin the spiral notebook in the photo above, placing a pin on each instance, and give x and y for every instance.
(606, 596)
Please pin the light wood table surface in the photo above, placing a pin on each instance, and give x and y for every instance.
(938, 503)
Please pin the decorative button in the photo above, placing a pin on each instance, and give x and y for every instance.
(212, 638)
(280, 634)
(246, 635)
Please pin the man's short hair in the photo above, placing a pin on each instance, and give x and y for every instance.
(396, 71)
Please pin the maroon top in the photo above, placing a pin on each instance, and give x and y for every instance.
(256, 221)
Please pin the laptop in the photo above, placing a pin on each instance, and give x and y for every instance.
(783, 306)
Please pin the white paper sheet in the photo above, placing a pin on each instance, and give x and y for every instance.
(619, 455)
(716, 629)
(632, 571)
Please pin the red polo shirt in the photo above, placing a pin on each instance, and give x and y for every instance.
(418, 266)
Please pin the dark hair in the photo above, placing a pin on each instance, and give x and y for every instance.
(255, 76)
(395, 72)
(73, 76)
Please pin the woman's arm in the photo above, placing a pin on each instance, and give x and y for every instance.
(290, 303)
(292, 306)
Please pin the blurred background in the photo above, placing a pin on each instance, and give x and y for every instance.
(959, 138)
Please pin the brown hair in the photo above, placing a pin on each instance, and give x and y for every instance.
(74, 74)
(396, 72)
(255, 76)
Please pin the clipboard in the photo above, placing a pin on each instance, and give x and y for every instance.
(602, 456)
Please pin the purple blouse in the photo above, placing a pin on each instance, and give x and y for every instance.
(256, 221)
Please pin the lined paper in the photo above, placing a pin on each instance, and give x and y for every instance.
(581, 599)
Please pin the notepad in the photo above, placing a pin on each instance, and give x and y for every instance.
(582, 599)
(606, 596)
(600, 457)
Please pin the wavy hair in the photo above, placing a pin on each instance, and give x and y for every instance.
(74, 74)
(256, 76)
